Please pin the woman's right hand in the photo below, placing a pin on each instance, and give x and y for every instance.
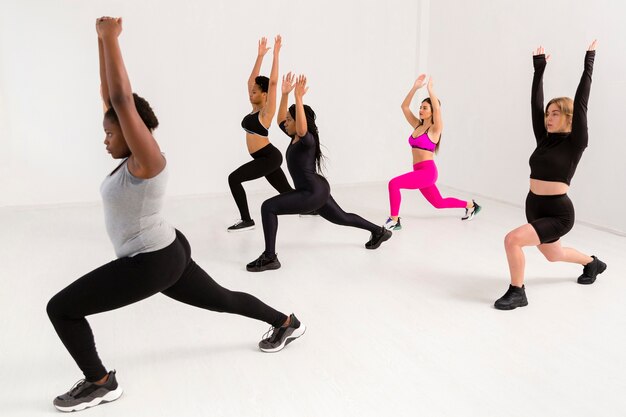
(419, 83)
(541, 51)
(301, 87)
(263, 48)
(288, 83)
(593, 45)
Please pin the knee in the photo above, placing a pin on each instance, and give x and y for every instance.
(512, 239)
(393, 184)
(233, 179)
(267, 207)
(54, 307)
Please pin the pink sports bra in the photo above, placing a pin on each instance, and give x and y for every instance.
(422, 142)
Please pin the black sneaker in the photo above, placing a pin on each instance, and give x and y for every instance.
(591, 271)
(277, 338)
(263, 263)
(241, 225)
(471, 212)
(86, 394)
(513, 298)
(378, 238)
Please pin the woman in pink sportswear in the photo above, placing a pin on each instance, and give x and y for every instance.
(424, 140)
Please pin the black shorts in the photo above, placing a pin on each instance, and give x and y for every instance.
(552, 216)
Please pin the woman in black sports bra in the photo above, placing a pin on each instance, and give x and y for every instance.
(561, 134)
(266, 158)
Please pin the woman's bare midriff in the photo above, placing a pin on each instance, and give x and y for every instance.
(540, 187)
(420, 155)
(255, 142)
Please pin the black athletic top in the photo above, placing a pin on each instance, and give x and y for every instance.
(301, 160)
(252, 124)
(557, 154)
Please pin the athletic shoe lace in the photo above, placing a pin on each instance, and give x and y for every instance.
(76, 387)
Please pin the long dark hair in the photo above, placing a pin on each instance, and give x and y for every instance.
(311, 127)
(430, 103)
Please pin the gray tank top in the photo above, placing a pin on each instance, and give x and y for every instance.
(132, 212)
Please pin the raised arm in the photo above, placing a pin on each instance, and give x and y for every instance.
(287, 87)
(536, 95)
(406, 104)
(301, 89)
(257, 64)
(268, 111)
(146, 160)
(579, 118)
(437, 126)
(104, 88)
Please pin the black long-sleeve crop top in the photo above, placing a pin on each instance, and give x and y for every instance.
(557, 154)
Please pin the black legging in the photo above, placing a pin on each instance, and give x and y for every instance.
(316, 197)
(266, 163)
(127, 280)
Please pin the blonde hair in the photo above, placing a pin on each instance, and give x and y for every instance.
(564, 104)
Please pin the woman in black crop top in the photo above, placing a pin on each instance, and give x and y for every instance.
(312, 190)
(561, 135)
(266, 158)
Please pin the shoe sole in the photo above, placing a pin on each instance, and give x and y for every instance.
(109, 397)
(385, 238)
(243, 229)
(471, 216)
(296, 334)
(507, 308)
(601, 270)
(263, 268)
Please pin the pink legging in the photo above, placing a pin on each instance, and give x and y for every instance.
(423, 177)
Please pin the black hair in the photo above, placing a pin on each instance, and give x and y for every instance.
(144, 110)
(263, 82)
(311, 127)
(429, 101)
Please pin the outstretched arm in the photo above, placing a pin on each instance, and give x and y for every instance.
(406, 104)
(536, 95)
(257, 64)
(104, 88)
(437, 126)
(579, 118)
(146, 160)
(287, 87)
(301, 89)
(267, 114)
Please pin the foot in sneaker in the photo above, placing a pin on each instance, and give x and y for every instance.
(591, 271)
(472, 211)
(278, 337)
(378, 238)
(392, 224)
(86, 394)
(241, 225)
(513, 298)
(263, 263)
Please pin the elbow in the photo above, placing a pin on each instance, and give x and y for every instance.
(301, 132)
(121, 99)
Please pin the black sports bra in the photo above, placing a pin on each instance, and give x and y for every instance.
(252, 124)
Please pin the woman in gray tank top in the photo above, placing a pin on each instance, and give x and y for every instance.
(152, 256)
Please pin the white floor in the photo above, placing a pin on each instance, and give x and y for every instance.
(406, 330)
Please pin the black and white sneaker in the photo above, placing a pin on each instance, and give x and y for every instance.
(392, 224)
(471, 212)
(86, 394)
(263, 263)
(378, 238)
(241, 225)
(277, 338)
(591, 271)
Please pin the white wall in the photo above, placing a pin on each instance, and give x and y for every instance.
(480, 54)
(191, 60)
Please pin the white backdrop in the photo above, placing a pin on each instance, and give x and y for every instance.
(481, 56)
(191, 60)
